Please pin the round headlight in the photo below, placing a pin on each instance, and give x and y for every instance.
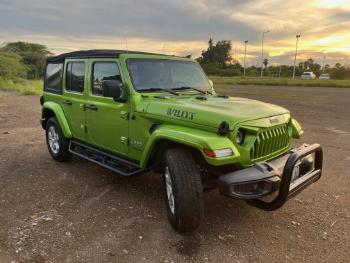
(240, 137)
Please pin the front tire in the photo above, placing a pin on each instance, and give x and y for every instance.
(57, 144)
(183, 190)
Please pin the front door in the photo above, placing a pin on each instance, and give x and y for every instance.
(106, 120)
(73, 98)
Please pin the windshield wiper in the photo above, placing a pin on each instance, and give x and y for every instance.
(160, 89)
(187, 87)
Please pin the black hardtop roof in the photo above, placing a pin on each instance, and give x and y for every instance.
(94, 53)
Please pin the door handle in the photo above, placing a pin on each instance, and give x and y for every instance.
(67, 102)
(91, 107)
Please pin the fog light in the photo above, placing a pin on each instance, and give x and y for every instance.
(256, 189)
(218, 153)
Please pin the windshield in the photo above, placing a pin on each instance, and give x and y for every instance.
(148, 74)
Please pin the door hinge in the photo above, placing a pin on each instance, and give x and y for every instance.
(83, 127)
(82, 106)
(124, 140)
(124, 115)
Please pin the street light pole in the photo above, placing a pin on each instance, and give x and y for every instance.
(296, 53)
(245, 55)
(262, 52)
(324, 60)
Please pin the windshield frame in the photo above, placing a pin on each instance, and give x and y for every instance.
(127, 61)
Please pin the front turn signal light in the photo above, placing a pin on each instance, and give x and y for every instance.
(218, 153)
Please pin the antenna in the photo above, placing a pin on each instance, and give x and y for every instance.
(126, 45)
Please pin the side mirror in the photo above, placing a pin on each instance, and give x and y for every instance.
(211, 83)
(113, 89)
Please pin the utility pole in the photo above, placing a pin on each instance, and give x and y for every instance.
(296, 53)
(262, 53)
(324, 60)
(245, 55)
(126, 45)
(279, 74)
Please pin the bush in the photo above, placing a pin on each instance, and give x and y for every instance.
(23, 86)
(341, 72)
(210, 68)
(229, 71)
(11, 66)
(32, 55)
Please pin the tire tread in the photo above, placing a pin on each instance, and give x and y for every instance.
(64, 153)
(188, 189)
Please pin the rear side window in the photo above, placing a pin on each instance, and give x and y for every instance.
(104, 71)
(75, 76)
(53, 77)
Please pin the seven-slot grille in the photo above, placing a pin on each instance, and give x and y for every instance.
(270, 141)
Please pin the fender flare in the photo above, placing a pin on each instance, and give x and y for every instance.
(191, 137)
(296, 130)
(61, 118)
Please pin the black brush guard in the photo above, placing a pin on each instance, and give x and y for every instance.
(264, 181)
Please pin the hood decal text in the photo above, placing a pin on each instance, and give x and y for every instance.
(180, 113)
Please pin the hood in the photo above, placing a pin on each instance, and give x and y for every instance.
(211, 111)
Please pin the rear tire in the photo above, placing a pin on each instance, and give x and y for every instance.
(183, 190)
(57, 144)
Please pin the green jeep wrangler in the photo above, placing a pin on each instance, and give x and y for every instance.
(132, 112)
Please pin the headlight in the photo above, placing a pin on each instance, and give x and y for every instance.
(286, 117)
(297, 131)
(240, 137)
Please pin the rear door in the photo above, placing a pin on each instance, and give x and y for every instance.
(106, 120)
(73, 98)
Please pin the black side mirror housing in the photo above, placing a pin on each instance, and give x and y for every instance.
(113, 89)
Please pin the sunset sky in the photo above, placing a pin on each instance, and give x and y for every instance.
(184, 27)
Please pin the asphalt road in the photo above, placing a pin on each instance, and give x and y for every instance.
(80, 212)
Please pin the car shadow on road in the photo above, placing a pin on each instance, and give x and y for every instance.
(224, 219)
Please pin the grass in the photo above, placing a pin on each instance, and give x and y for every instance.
(22, 86)
(34, 87)
(280, 82)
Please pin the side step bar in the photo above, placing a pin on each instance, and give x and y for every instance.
(111, 162)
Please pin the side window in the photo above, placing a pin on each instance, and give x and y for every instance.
(53, 77)
(75, 76)
(103, 71)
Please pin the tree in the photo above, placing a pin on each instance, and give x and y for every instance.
(218, 54)
(33, 56)
(11, 66)
(265, 62)
(309, 65)
(340, 71)
(216, 60)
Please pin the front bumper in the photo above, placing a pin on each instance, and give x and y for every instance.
(265, 186)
